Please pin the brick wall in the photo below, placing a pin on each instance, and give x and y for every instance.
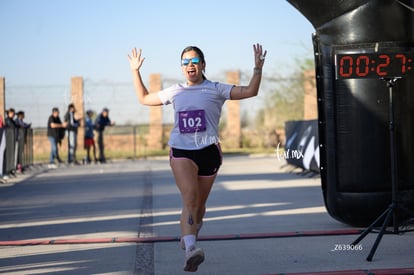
(231, 136)
(310, 99)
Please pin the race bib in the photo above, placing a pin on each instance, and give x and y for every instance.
(192, 121)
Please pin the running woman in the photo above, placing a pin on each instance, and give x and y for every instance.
(195, 154)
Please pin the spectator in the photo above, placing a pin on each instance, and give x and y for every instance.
(55, 133)
(21, 138)
(72, 127)
(12, 142)
(10, 122)
(2, 149)
(89, 141)
(20, 120)
(101, 122)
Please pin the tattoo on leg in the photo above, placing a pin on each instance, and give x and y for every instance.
(190, 220)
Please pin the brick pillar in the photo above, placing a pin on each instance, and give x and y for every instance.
(154, 139)
(232, 134)
(310, 100)
(77, 97)
(2, 96)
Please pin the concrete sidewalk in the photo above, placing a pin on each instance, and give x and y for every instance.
(261, 219)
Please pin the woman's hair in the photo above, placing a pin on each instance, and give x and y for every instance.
(71, 105)
(198, 51)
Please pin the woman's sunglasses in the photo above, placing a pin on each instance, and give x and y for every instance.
(186, 61)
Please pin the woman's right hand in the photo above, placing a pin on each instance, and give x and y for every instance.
(135, 60)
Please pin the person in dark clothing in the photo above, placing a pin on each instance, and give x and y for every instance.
(10, 122)
(20, 120)
(101, 122)
(11, 143)
(3, 177)
(21, 138)
(89, 141)
(73, 124)
(55, 133)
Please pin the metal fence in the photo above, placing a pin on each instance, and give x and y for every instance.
(22, 148)
(38, 100)
(126, 142)
(16, 150)
(129, 139)
(135, 141)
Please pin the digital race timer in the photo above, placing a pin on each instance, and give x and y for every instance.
(374, 65)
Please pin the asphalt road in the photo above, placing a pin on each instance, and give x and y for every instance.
(122, 218)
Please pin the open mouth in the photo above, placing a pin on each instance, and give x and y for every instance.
(191, 73)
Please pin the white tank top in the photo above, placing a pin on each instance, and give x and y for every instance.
(197, 112)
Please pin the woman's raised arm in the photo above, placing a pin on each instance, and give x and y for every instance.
(241, 92)
(146, 98)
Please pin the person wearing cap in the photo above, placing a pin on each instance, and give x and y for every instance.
(89, 141)
(101, 122)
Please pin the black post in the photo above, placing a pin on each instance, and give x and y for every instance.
(392, 210)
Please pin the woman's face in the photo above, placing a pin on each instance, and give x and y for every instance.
(192, 67)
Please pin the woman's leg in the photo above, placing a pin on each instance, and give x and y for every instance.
(185, 174)
(205, 184)
(211, 159)
(186, 177)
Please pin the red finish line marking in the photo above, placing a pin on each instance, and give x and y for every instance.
(393, 271)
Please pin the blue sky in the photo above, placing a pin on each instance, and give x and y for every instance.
(46, 42)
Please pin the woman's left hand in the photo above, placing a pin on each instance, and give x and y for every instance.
(259, 56)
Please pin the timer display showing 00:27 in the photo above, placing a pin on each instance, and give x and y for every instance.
(374, 65)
